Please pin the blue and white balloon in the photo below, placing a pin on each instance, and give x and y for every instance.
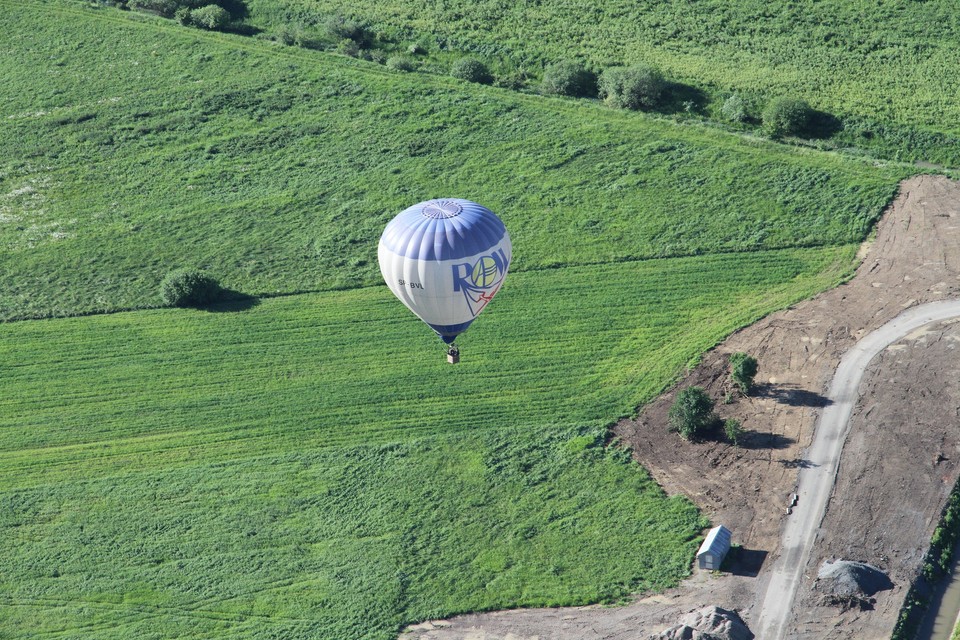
(445, 260)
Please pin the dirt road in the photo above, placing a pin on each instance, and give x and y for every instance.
(818, 470)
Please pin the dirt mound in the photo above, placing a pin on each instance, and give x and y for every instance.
(709, 623)
(845, 579)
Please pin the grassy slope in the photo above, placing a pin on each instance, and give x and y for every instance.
(133, 146)
(889, 64)
(194, 474)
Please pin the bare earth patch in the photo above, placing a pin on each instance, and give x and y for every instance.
(898, 466)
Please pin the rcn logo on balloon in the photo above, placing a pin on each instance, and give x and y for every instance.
(479, 281)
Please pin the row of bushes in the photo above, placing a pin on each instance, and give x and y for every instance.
(643, 87)
(638, 87)
(205, 14)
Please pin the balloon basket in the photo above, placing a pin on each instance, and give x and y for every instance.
(453, 356)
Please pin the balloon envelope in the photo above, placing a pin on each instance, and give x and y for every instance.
(445, 259)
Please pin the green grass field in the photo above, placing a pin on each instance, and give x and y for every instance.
(144, 146)
(312, 467)
(307, 465)
(886, 68)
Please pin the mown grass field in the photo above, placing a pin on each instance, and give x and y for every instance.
(308, 466)
(311, 466)
(886, 68)
(133, 145)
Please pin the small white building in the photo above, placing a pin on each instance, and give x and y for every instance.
(714, 548)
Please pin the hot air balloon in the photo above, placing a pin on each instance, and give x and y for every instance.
(445, 260)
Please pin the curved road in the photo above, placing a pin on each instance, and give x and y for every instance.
(817, 477)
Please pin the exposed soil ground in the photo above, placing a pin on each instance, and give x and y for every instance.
(899, 463)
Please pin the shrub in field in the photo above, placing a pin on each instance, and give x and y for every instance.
(211, 17)
(733, 430)
(743, 369)
(514, 80)
(348, 48)
(287, 34)
(375, 55)
(786, 116)
(691, 413)
(401, 63)
(342, 28)
(569, 78)
(637, 87)
(735, 109)
(471, 70)
(182, 15)
(165, 8)
(189, 288)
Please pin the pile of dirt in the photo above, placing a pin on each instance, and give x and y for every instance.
(709, 623)
(846, 579)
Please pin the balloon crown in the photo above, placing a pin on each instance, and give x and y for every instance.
(441, 209)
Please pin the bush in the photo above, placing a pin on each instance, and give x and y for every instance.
(288, 34)
(348, 48)
(637, 87)
(471, 70)
(786, 116)
(165, 8)
(743, 369)
(733, 430)
(189, 288)
(514, 80)
(568, 78)
(401, 63)
(182, 15)
(735, 109)
(211, 17)
(375, 55)
(691, 413)
(342, 28)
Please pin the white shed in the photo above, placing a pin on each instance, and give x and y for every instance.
(714, 548)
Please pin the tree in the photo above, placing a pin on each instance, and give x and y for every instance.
(189, 288)
(733, 430)
(691, 413)
(637, 87)
(743, 369)
(568, 78)
(471, 70)
(786, 116)
(211, 17)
